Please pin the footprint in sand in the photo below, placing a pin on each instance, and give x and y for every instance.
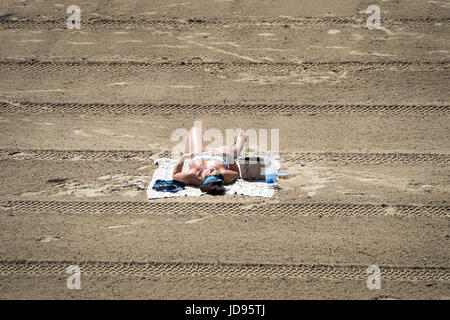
(118, 226)
(372, 53)
(229, 43)
(202, 34)
(109, 132)
(44, 123)
(80, 43)
(426, 187)
(357, 37)
(144, 167)
(170, 46)
(195, 220)
(336, 47)
(333, 31)
(387, 31)
(30, 40)
(439, 51)
(80, 133)
(268, 59)
(47, 239)
(32, 194)
(134, 223)
(119, 84)
(179, 4)
(131, 41)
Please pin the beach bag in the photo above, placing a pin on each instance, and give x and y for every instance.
(251, 168)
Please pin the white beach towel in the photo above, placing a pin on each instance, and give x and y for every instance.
(240, 187)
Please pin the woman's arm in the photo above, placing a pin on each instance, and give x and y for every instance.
(186, 177)
(179, 166)
(230, 176)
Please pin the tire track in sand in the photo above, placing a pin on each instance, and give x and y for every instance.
(240, 209)
(49, 65)
(219, 109)
(222, 270)
(293, 157)
(98, 23)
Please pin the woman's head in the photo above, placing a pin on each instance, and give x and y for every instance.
(213, 185)
(209, 171)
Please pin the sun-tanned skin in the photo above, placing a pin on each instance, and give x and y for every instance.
(200, 170)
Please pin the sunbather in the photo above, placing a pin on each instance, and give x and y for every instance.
(209, 169)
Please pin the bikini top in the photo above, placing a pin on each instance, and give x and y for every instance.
(206, 156)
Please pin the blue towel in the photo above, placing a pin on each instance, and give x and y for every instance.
(168, 185)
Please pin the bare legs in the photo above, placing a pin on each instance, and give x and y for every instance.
(232, 152)
(239, 145)
(194, 143)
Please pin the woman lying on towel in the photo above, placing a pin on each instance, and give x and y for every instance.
(209, 169)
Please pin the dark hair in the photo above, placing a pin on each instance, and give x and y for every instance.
(214, 188)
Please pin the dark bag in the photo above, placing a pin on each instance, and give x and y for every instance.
(251, 168)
